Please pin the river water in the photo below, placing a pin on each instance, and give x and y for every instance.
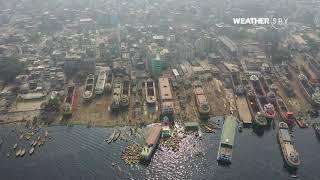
(78, 153)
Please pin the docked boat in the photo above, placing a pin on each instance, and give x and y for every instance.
(201, 100)
(290, 154)
(150, 89)
(116, 95)
(23, 152)
(260, 120)
(101, 81)
(262, 101)
(316, 127)
(286, 115)
(116, 136)
(31, 150)
(89, 87)
(109, 82)
(125, 94)
(151, 142)
(227, 140)
(69, 100)
(312, 94)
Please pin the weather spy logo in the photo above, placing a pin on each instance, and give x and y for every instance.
(275, 22)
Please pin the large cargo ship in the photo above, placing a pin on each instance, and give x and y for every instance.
(285, 113)
(264, 103)
(125, 94)
(290, 154)
(227, 140)
(150, 89)
(116, 95)
(89, 87)
(151, 142)
(312, 94)
(201, 100)
(69, 100)
(109, 82)
(101, 81)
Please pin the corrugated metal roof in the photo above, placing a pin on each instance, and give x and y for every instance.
(229, 130)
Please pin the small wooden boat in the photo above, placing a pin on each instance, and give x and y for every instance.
(116, 136)
(18, 153)
(39, 143)
(35, 143)
(15, 146)
(46, 134)
(31, 144)
(31, 150)
(21, 136)
(23, 152)
(38, 138)
(110, 139)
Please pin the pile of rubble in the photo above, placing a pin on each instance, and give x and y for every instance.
(131, 155)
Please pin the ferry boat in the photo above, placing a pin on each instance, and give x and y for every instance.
(150, 89)
(69, 100)
(109, 82)
(125, 94)
(286, 115)
(312, 94)
(290, 154)
(227, 140)
(116, 95)
(151, 142)
(88, 92)
(101, 81)
(201, 100)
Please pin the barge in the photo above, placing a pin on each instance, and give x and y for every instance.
(109, 82)
(151, 142)
(227, 140)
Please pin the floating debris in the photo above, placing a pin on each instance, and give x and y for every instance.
(132, 154)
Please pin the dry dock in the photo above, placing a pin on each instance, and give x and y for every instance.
(243, 109)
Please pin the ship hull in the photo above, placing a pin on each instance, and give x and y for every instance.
(116, 96)
(150, 91)
(89, 88)
(286, 152)
(100, 85)
(69, 100)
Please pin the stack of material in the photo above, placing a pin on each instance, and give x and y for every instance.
(172, 143)
(131, 155)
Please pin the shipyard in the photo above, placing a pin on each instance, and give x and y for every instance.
(159, 76)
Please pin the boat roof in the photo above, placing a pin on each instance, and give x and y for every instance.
(165, 90)
(285, 135)
(153, 134)
(229, 130)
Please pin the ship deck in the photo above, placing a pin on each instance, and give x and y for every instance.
(244, 111)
